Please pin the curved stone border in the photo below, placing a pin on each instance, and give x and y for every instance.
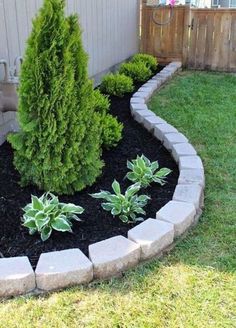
(149, 239)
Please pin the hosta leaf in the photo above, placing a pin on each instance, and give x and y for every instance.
(154, 166)
(76, 218)
(40, 216)
(30, 224)
(131, 176)
(42, 223)
(160, 181)
(124, 218)
(162, 173)
(49, 208)
(115, 211)
(101, 195)
(132, 190)
(32, 231)
(130, 165)
(107, 206)
(31, 213)
(139, 210)
(27, 208)
(116, 187)
(46, 233)
(61, 224)
(71, 208)
(143, 198)
(36, 203)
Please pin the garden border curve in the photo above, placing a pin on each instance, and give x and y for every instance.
(110, 257)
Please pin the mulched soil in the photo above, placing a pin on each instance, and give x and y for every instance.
(97, 224)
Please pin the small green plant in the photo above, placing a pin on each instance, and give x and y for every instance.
(144, 172)
(117, 84)
(111, 128)
(148, 60)
(138, 71)
(125, 206)
(46, 214)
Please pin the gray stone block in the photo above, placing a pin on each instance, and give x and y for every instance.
(142, 94)
(2, 138)
(153, 236)
(62, 269)
(162, 129)
(183, 149)
(194, 176)
(151, 121)
(137, 107)
(177, 65)
(16, 276)
(139, 115)
(8, 116)
(171, 139)
(1, 118)
(190, 162)
(148, 90)
(180, 214)
(189, 193)
(137, 100)
(112, 256)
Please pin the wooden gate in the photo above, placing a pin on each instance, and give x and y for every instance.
(200, 38)
(212, 40)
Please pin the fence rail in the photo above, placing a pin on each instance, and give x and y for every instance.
(201, 38)
(110, 28)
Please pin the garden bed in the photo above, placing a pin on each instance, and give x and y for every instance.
(97, 224)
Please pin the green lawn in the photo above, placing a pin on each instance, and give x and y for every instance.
(195, 286)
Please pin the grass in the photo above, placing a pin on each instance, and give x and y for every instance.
(195, 285)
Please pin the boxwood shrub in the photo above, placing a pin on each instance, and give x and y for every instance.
(138, 71)
(148, 60)
(116, 84)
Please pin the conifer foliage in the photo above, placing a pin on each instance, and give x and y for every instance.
(60, 143)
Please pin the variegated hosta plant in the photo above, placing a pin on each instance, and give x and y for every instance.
(144, 172)
(46, 214)
(128, 206)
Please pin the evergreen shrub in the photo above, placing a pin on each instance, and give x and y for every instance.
(117, 84)
(149, 60)
(111, 128)
(60, 143)
(138, 71)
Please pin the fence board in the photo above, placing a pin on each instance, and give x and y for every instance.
(201, 38)
(110, 29)
(166, 41)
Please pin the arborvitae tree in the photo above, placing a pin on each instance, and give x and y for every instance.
(59, 146)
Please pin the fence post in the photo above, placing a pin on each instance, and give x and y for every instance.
(186, 36)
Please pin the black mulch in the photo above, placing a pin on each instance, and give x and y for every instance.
(97, 224)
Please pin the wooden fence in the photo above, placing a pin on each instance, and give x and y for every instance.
(111, 29)
(200, 38)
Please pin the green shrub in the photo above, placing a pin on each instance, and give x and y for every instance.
(138, 72)
(46, 214)
(111, 128)
(117, 84)
(59, 146)
(148, 60)
(144, 172)
(126, 206)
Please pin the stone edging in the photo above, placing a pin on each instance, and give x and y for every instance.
(149, 239)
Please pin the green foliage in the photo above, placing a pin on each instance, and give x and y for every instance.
(144, 172)
(138, 71)
(46, 214)
(126, 206)
(59, 146)
(148, 60)
(111, 128)
(116, 84)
